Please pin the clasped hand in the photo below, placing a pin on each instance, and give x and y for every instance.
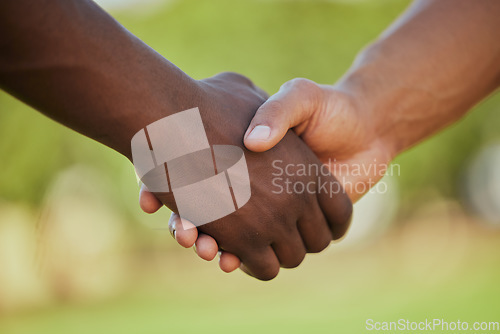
(274, 229)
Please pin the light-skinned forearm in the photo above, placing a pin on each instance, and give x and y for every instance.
(428, 69)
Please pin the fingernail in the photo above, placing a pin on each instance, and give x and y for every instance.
(260, 132)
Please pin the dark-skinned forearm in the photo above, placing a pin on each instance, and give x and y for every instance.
(73, 62)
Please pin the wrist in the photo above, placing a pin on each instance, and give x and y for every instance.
(403, 103)
(363, 112)
(154, 99)
(378, 102)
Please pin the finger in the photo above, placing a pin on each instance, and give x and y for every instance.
(228, 262)
(234, 77)
(335, 205)
(239, 78)
(290, 252)
(292, 105)
(206, 247)
(262, 93)
(148, 201)
(244, 269)
(315, 231)
(262, 264)
(184, 232)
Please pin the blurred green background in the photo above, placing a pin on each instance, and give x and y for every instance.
(78, 256)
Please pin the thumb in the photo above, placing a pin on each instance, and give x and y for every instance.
(291, 106)
(148, 201)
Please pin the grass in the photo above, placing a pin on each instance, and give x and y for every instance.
(408, 274)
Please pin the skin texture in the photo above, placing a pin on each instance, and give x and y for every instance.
(271, 229)
(100, 80)
(433, 64)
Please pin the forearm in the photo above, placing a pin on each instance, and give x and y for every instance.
(73, 62)
(431, 66)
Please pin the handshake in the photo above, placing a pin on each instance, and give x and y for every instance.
(258, 224)
(264, 180)
(242, 147)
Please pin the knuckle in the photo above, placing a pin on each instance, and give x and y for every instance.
(320, 245)
(272, 107)
(294, 262)
(308, 92)
(269, 273)
(303, 84)
(340, 229)
(345, 212)
(237, 77)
